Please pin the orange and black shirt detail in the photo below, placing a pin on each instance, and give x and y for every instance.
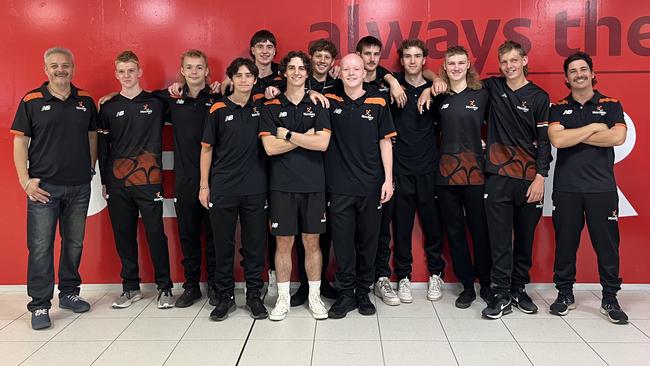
(353, 163)
(585, 168)
(130, 140)
(415, 151)
(377, 87)
(187, 116)
(517, 145)
(461, 117)
(299, 170)
(273, 79)
(59, 151)
(330, 85)
(238, 158)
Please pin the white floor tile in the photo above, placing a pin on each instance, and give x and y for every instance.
(152, 311)
(103, 308)
(155, 329)
(364, 329)
(622, 354)
(280, 353)
(13, 309)
(635, 303)
(15, 296)
(205, 353)
(466, 330)
(574, 354)
(446, 309)
(601, 330)
(234, 328)
(4, 322)
(21, 330)
(141, 353)
(93, 329)
(411, 329)
(14, 353)
(420, 307)
(541, 330)
(642, 325)
(288, 329)
(489, 353)
(347, 353)
(399, 353)
(67, 353)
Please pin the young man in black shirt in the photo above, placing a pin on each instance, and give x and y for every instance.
(55, 150)
(130, 158)
(584, 127)
(234, 184)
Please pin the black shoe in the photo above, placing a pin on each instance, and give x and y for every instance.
(486, 293)
(188, 296)
(225, 305)
(365, 306)
(212, 295)
(255, 305)
(74, 303)
(41, 319)
(466, 298)
(523, 302)
(300, 296)
(612, 310)
(498, 307)
(564, 302)
(328, 291)
(343, 305)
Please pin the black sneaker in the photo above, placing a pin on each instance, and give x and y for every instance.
(343, 305)
(486, 293)
(74, 303)
(466, 298)
(256, 307)
(212, 295)
(300, 296)
(365, 306)
(564, 302)
(612, 309)
(328, 291)
(41, 319)
(187, 298)
(498, 307)
(523, 302)
(225, 305)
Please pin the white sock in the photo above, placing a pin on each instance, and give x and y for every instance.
(283, 288)
(314, 287)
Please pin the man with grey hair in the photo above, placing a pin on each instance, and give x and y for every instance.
(55, 149)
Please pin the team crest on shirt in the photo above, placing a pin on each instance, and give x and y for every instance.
(229, 117)
(159, 197)
(145, 109)
(613, 216)
(368, 115)
(209, 103)
(282, 114)
(383, 88)
(255, 113)
(180, 101)
(567, 111)
(80, 106)
(599, 110)
(444, 106)
(308, 112)
(46, 108)
(337, 111)
(471, 105)
(523, 107)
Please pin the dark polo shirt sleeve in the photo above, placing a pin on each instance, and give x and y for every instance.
(543, 157)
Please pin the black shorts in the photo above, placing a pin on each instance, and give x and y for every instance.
(295, 213)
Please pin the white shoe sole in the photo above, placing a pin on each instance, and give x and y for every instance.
(128, 303)
(604, 312)
(406, 300)
(390, 302)
(277, 318)
(165, 306)
(434, 298)
(319, 316)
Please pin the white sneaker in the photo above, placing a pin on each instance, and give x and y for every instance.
(281, 309)
(385, 292)
(272, 289)
(404, 291)
(127, 298)
(434, 288)
(318, 310)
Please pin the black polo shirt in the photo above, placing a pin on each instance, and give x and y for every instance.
(59, 151)
(378, 86)
(130, 140)
(353, 163)
(585, 168)
(330, 85)
(517, 145)
(238, 158)
(187, 116)
(299, 170)
(415, 150)
(461, 117)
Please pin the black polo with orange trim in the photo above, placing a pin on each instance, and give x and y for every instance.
(238, 158)
(353, 163)
(59, 151)
(130, 140)
(585, 168)
(378, 86)
(299, 170)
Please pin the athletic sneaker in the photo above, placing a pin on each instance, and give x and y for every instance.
(212, 295)
(466, 298)
(564, 302)
(127, 298)
(498, 307)
(166, 299)
(385, 292)
(272, 289)
(281, 309)
(434, 288)
(342, 306)
(364, 305)
(523, 302)
(74, 303)
(41, 319)
(612, 310)
(225, 305)
(404, 291)
(188, 297)
(318, 310)
(255, 305)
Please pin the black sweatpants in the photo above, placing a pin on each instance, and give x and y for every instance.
(123, 207)
(252, 213)
(601, 213)
(506, 212)
(382, 262)
(355, 223)
(192, 217)
(463, 207)
(416, 192)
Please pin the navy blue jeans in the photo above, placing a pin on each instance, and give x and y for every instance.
(67, 207)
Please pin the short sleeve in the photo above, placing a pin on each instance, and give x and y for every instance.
(615, 115)
(322, 120)
(267, 125)
(210, 129)
(386, 126)
(22, 123)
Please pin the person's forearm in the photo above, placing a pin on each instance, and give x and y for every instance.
(615, 136)
(21, 146)
(317, 142)
(567, 137)
(386, 150)
(205, 163)
(275, 146)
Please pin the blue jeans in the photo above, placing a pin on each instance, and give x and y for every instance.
(68, 206)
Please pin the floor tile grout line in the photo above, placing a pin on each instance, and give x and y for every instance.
(516, 340)
(435, 310)
(250, 331)
(313, 344)
(185, 332)
(381, 341)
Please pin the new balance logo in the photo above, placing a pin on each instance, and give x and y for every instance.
(180, 101)
(45, 108)
(282, 114)
(445, 106)
(567, 111)
(274, 225)
(337, 111)
(119, 114)
(323, 218)
(229, 117)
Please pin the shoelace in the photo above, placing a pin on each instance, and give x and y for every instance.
(127, 294)
(73, 298)
(405, 286)
(385, 286)
(436, 283)
(316, 303)
(40, 312)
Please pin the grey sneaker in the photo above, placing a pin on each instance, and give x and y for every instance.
(74, 302)
(41, 319)
(127, 298)
(404, 291)
(385, 292)
(434, 288)
(165, 299)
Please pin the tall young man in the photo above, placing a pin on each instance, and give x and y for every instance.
(233, 184)
(55, 150)
(130, 158)
(295, 132)
(584, 127)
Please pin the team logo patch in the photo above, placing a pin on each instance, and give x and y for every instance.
(613, 216)
(46, 108)
(229, 117)
(523, 107)
(282, 114)
(471, 105)
(80, 106)
(180, 101)
(255, 113)
(274, 225)
(145, 109)
(119, 114)
(599, 110)
(567, 111)
(368, 115)
(444, 106)
(540, 204)
(337, 111)
(159, 197)
(209, 103)
(504, 95)
(308, 113)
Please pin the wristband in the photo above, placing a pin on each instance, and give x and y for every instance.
(288, 135)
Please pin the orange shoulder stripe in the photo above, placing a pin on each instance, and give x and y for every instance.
(217, 105)
(605, 100)
(273, 101)
(563, 101)
(379, 101)
(83, 93)
(31, 96)
(257, 96)
(392, 134)
(334, 96)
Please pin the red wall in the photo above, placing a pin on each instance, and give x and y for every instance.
(618, 36)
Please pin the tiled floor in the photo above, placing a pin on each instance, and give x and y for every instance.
(422, 333)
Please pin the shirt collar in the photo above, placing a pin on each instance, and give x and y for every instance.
(74, 91)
